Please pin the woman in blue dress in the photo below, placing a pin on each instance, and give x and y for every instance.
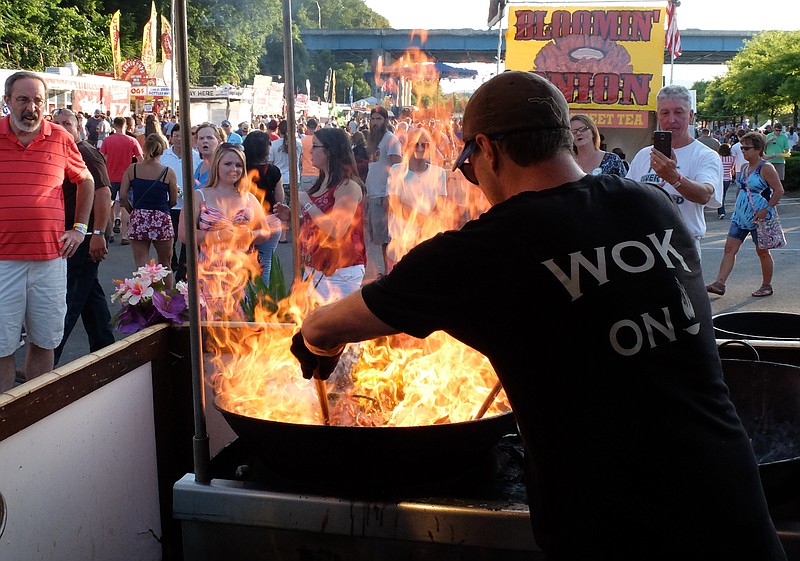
(760, 191)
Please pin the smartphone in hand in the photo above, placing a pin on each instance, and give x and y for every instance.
(662, 141)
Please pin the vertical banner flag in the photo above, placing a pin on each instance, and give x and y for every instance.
(351, 93)
(149, 41)
(166, 39)
(326, 92)
(333, 87)
(116, 53)
(600, 57)
(673, 35)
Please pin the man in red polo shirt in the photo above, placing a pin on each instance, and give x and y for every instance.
(35, 157)
(120, 151)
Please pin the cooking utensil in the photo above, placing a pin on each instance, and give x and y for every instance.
(322, 395)
(489, 400)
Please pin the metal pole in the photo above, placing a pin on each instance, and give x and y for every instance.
(501, 8)
(172, 62)
(202, 454)
(291, 133)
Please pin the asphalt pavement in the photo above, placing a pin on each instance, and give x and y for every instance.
(746, 276)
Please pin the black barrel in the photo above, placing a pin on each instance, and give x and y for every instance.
(776, 326)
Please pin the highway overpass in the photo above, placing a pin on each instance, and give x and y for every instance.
(471, 45)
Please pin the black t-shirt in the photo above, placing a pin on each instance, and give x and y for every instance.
(589, 301)
(91, 128)
(96, 163)
(269, 178)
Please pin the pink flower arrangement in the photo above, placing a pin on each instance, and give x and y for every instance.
(146, 300)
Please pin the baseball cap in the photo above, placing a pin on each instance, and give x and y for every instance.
(513, 101)
(226, 123)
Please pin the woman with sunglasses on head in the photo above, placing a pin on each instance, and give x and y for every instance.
(590, 158)
(331, 236)
(229, 218)
(266, 178)
(761, 189)
(417, 191)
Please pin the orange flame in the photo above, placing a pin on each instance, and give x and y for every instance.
(394, 381)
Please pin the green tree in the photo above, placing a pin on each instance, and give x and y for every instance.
(336, 14)
(35, 34)
(762, 78)
(228, 40)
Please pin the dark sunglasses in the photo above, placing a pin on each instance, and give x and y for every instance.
(746, 148)
(422, 144)
(463, 162)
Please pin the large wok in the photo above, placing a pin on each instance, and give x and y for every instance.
(767, 398)
(369, 457)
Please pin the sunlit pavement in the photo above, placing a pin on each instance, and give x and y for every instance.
(746, 276)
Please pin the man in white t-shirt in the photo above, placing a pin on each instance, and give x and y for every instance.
(692, 176)
(173, 159)
(384, 151)
(736, 152)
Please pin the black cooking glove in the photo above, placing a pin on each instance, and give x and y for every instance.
(313, 365)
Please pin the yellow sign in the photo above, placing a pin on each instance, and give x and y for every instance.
(600, 58)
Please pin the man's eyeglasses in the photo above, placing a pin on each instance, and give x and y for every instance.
(422, 144)
(317, 146)
(580, 129)
(746, 148)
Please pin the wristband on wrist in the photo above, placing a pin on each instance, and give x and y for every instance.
(98, 233)
(323, 352)
(82, 228)
(678, 183)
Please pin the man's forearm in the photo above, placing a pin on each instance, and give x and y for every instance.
(694, 191)
(101, 208)
(83, 200)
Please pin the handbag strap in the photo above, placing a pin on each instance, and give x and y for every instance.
(156, 180)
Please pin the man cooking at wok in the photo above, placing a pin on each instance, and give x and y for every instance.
(598, 324)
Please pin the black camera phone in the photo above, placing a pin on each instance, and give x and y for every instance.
(662, 141)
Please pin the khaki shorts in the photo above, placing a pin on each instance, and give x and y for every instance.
(378, 220)
(34, 295)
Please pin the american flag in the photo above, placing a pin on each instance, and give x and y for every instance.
(673, 35)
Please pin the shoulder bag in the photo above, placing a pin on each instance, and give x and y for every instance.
(156, 180)
(768, 231)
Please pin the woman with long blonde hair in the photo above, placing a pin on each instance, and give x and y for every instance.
(229, 221)
(417, 196)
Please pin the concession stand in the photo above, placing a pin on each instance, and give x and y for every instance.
(82, 93)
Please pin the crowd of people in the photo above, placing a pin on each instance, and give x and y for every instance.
(382, 181)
